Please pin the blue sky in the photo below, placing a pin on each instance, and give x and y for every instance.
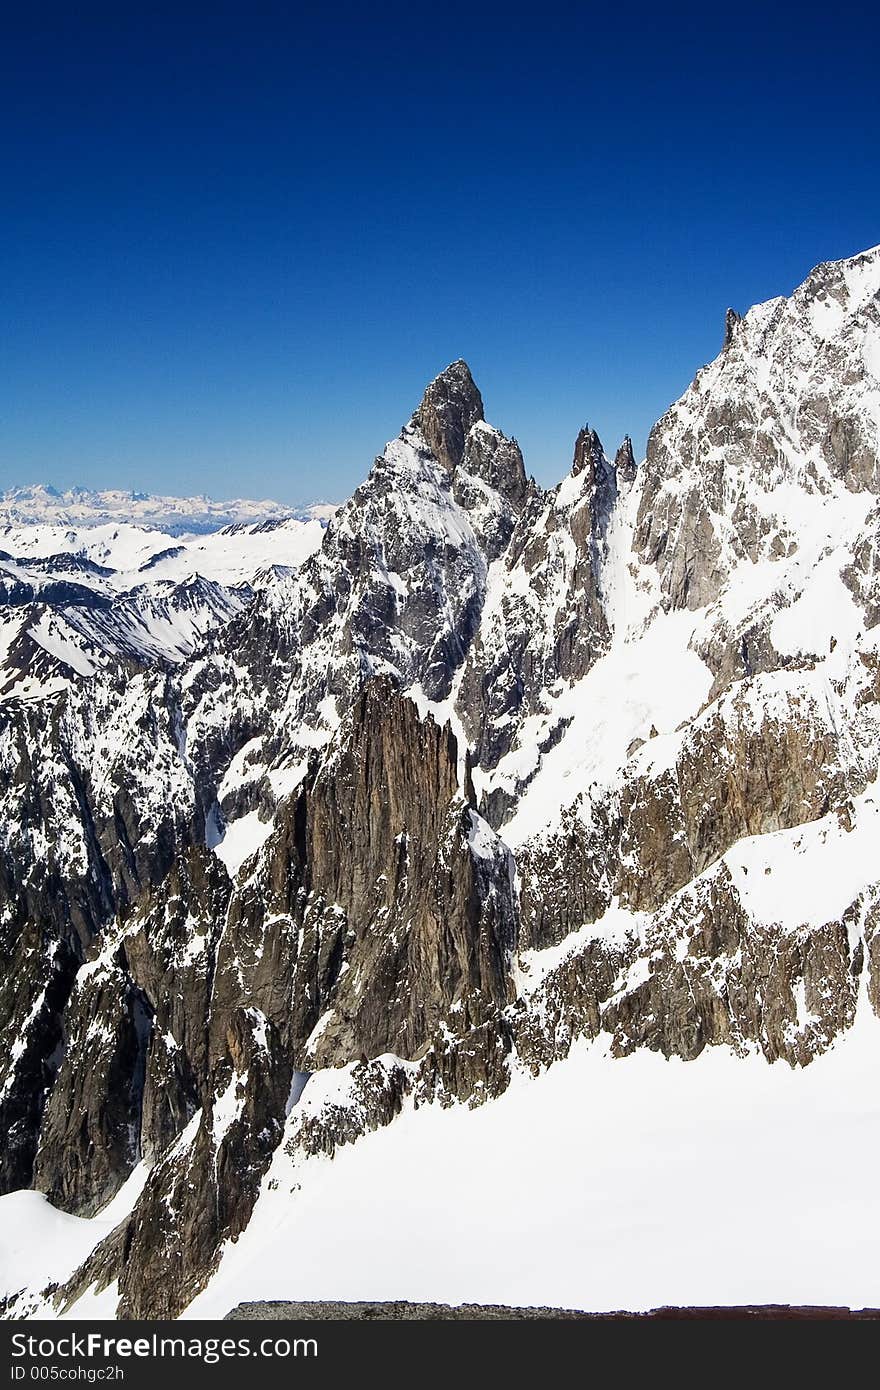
(237, 240)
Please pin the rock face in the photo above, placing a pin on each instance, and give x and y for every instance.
(381, 905)
(739, 770)
(379, 913)
(450, 407)
(483, 770)
(543, 620)
(785, 401)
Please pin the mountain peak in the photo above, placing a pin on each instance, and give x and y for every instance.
(449, 407)
(587, 451)
(732, 320)
(624, 462)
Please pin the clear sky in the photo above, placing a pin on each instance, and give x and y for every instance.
(237, 240)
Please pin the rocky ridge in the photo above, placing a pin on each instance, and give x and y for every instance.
(490, 769)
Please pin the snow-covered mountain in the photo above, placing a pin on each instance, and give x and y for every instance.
(80, 594)
(478, 781)
(41, 504)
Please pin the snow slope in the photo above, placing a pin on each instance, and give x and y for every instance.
(608, 1182)
(134, 554)
(602, 1184)
(41, 1243)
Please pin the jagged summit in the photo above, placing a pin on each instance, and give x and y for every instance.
(732, 320)
(867, 260)
(588, 451)
(625, 463)
(450, 406)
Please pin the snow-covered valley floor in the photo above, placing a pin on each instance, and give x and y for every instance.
(603, 1184)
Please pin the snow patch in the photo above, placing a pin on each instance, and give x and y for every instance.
(240, 839)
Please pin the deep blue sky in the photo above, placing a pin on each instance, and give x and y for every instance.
(237, 241)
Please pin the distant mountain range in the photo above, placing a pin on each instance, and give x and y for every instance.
(41, 503)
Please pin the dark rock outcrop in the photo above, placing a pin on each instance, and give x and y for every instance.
(381, 910)
(381, 902)
(625, 464)
(450, 406)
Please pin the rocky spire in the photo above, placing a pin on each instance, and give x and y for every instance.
(599, 486)
(590, 460)
(498, 462)
(732, 320)
(588, 452)
(625, 463)
(450, 406)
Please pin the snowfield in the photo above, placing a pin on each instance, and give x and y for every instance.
(603, 1184)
